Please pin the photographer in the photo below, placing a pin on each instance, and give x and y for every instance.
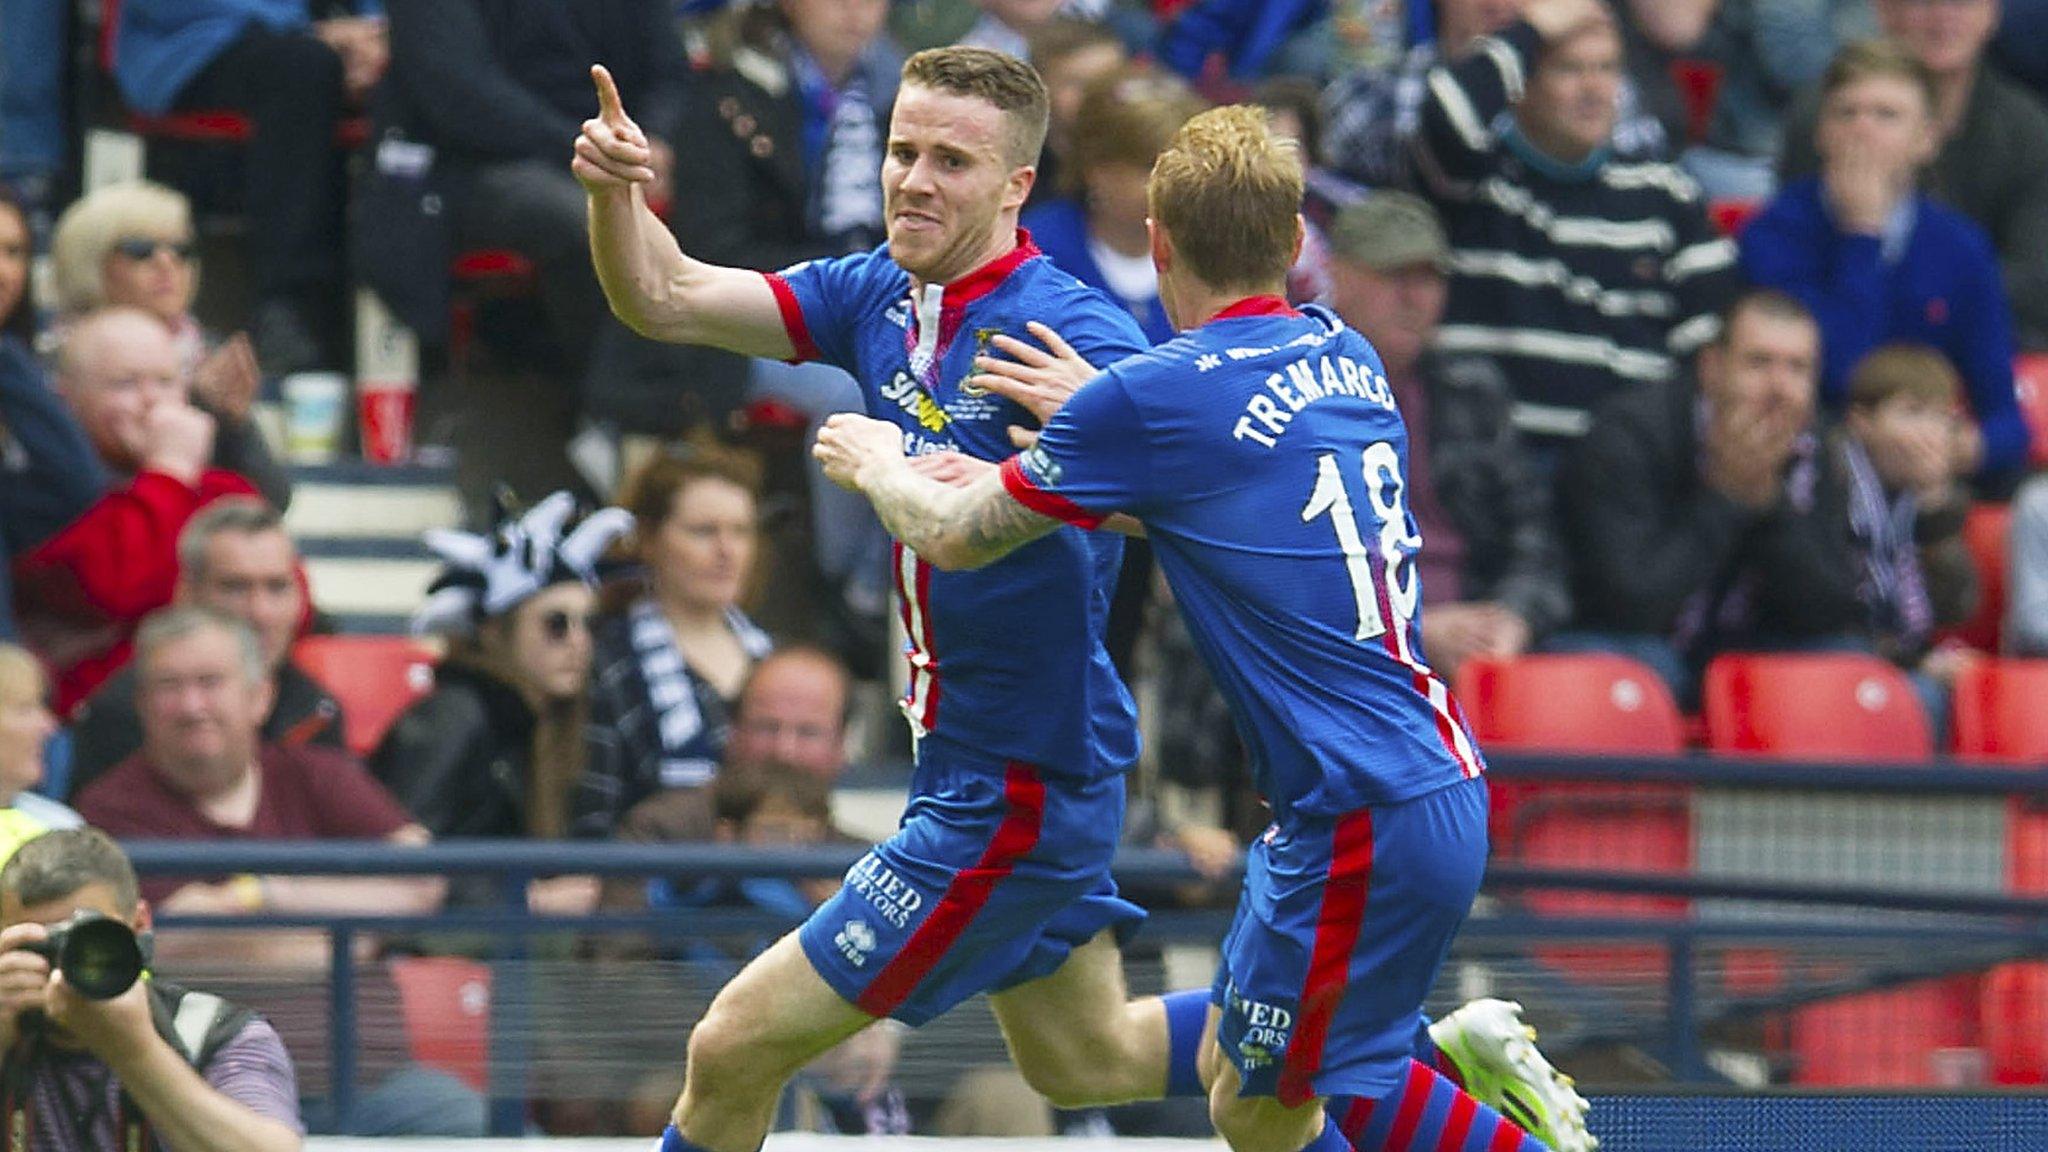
(117, 1073)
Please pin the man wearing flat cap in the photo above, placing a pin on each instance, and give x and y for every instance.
(1491, 564)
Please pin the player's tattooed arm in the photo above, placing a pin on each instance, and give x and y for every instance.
(951, 525)
(953, 528)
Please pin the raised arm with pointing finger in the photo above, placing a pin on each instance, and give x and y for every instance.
(652, 285)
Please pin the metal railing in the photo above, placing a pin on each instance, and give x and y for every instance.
(1948, 930)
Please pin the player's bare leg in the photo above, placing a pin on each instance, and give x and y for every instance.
(773, 1018)
(1262, 1123)
(1079, 1038)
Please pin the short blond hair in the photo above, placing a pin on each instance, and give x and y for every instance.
(1863, 59)
(1228, 193)
(997, 78)
(90, 228)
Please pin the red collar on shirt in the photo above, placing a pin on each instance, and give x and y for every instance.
(1256, 306)
(983, 280)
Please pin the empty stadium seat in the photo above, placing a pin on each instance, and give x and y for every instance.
(2030, 384)
(1999, 711)
(446, 1005)
(1814, 706)
(1593, 703)
(1999, 716)
(1984, 533)
(1924, 1034)
(1581, 702)
(374, 677)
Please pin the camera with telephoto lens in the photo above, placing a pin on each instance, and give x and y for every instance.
(100, 957)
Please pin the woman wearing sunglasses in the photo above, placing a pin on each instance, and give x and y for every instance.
(132, 244)
(670, 664)
(497, 746)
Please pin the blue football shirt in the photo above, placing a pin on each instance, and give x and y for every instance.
(1266, 456)
(1006, 659)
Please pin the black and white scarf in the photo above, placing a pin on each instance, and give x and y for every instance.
(846, 187)
(686, 760)
(1892, 588)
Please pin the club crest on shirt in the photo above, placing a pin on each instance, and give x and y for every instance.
(982, 337)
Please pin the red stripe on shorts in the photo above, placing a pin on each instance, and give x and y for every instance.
(1329, 965)
(1015, 837)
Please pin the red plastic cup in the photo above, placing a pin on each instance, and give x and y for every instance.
(384, 418)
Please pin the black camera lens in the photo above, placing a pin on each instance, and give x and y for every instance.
(99, 956)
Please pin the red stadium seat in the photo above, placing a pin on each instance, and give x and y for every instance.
(1898, 1038)
(1998, 716)
(1814, 706)
(1593, 703)
(374, 677)
(1984, 533)
(1845, 706)
(2030, 384)
(1590, 702)
(1998, 711)
(446, 1004)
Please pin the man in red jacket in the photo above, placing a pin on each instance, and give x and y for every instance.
(80, 593)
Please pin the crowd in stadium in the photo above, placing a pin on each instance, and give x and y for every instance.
(1711, 328)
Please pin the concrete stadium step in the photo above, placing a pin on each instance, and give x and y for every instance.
(359, 526)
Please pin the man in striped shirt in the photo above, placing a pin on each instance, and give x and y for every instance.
(83, 1075)
(1581, 273)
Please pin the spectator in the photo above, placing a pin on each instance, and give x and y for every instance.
(235, 558)
(1373, 115)
(793, 710)
(1008, 25)
(204, 773)
(1493, 566)
(1096, 232)
(495, 749)
(812, 83)
(1878, 262)
(1898, 452)
(1702, 519)
(79, 593)
(131, 245)
(493, 88)
(2026, 619)
(1253, 37)
(1765, 53)
(294, 78)
(48, 474)
(107, 1074)
(26, 726)
(1990, 165)
(1070, 55)
(33, 133)
(1584, 275)
(788, 131)
(669, 666)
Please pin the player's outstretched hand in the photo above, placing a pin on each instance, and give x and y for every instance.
(611, 152)
(954, 469)
(849, 443)
(1039, 379)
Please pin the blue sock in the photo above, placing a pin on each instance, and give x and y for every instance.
(1427, 1111)
(672, 1141)
(1186, 1012)
(1331, 1140)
